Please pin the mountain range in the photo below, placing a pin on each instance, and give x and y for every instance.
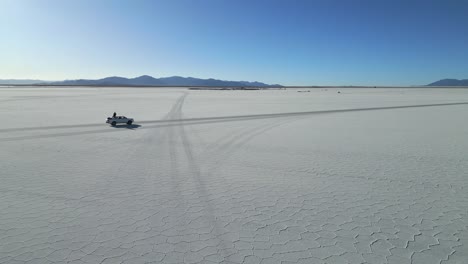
(146, 80)
(21, 82)
(450, 82)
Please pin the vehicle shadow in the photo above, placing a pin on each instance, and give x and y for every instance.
(132, 126)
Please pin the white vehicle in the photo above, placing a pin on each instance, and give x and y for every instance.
(119, 119)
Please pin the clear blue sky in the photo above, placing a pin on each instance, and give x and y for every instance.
(309, 42)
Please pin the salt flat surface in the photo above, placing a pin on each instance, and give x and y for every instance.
(230, 177)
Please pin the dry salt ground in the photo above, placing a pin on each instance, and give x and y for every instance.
(361, 176)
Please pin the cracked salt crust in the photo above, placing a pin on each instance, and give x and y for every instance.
(376, 186)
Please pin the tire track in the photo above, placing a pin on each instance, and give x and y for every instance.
(224, 141)
(178, 217)
(174, 160)
(77, 133)
(227, 149)
(197, 177)
(240, 117)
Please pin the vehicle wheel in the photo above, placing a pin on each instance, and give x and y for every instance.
(114, 123)
(129, 122)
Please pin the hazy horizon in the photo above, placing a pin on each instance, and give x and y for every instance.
(37, 81)
(395, 43)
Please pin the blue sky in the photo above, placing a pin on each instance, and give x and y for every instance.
(309, 42)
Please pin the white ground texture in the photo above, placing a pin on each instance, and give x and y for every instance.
(234, 176)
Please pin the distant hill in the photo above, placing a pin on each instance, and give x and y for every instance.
(450, 82)
(15, 81)
(146, 80)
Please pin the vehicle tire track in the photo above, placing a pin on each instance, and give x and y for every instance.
(224, 151)
(197, 177)
(238, 117)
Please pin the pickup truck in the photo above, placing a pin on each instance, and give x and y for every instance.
(119, 119)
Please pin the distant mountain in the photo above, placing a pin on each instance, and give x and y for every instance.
(142, 80)
(450, 82)
(15, 81)
(146, 80)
